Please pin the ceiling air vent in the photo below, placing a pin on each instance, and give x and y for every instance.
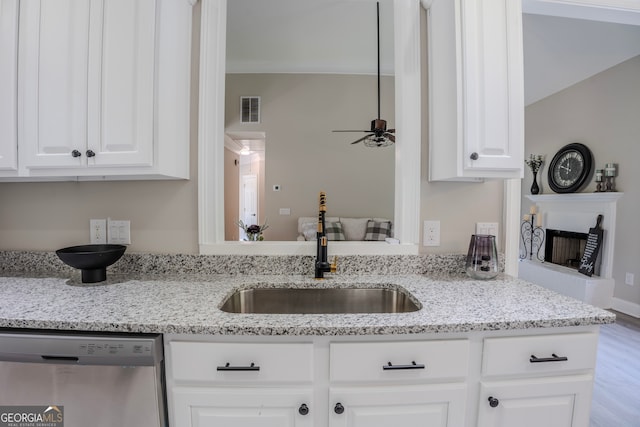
(249, 109)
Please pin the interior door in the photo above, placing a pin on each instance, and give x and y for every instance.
(249, 200)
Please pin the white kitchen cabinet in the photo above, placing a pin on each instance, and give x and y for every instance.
(476, 89)
(244, 407)
(563, 401)
(409, 383)
(265, 384)
(241, 384)
(8, 87)
(543, 380)
(103, 88)
(439, 405)
(479, 379)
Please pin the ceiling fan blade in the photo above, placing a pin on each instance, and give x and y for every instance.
(390, 137)
(361, 139)
(350, 131)
(391, 130)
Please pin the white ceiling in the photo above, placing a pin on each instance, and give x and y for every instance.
(560, 52)
(339, 36)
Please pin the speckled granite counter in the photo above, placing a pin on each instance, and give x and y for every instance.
(189, 305)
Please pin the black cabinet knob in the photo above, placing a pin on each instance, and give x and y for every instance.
(338, 409)
(76, 153)
(493, 402)
(474, 156)
(90, 153)
(303, 409)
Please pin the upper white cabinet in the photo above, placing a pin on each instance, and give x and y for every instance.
(476, 95)
(103, 88)
(8, 94)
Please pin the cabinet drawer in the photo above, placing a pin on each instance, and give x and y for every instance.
(539, 354)
(240, 363)
(393, 361)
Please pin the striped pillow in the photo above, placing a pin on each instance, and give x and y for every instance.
(334, 232)
(378, 230)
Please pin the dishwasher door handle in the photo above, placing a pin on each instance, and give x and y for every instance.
(60, 359)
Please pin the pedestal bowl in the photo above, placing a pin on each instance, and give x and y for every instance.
(91, 260)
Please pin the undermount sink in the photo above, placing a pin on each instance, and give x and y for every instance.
(318, 301)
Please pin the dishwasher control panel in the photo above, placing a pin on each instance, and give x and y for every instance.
(119, 350)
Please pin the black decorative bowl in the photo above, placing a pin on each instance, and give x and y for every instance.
(92, 260)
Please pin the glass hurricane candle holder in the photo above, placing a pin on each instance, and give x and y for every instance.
(482, 258)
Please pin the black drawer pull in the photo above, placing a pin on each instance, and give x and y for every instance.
(228, 367)
(493, 402)
(554, 358)
(414, 365)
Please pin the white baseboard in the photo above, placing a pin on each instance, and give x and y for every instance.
(626, 307)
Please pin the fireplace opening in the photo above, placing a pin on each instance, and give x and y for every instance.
(566, 248)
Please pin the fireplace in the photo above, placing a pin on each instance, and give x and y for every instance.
(567, 219)
(566, 248)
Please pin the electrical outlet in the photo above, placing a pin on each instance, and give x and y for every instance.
(97, 231)
(628, 279)
(431, 233)
(119, 232)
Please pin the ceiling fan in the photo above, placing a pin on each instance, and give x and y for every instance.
(378, 135)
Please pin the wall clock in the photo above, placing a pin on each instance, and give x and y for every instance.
(570, 168)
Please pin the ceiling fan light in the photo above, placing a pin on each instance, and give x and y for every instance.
(373, 141)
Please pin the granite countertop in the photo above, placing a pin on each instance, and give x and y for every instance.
(190, 305)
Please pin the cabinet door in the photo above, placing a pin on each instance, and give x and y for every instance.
(241, 407)
(549, 402)
(87, 83)
(441, 405)
(121, 82)
(8, 86)
(476, 89)
(53, 54)
(493, 81)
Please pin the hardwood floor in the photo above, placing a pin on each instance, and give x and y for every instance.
(616, 393)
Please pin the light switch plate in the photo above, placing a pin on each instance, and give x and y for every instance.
(487, 228)
(119, 232)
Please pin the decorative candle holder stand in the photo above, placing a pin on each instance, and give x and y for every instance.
(532, 237)
(599, 180)
(610, 173)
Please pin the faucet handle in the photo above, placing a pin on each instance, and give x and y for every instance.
(334, 264)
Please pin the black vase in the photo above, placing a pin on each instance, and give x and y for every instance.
(535, 189)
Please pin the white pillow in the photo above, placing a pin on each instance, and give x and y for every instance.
(354, 228)
(309, 230)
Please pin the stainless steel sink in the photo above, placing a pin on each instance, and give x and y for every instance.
(319, 301)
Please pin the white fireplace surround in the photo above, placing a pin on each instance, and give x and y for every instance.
(576, 212)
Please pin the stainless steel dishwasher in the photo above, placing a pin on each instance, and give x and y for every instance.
(97, 380)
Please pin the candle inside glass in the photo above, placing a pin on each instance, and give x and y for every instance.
(599, 175)
(610, 169)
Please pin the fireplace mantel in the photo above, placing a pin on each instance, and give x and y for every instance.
(577, 212)
(605, 197)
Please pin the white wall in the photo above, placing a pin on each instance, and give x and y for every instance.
(602, 112)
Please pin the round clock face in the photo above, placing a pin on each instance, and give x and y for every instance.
(570, 168)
